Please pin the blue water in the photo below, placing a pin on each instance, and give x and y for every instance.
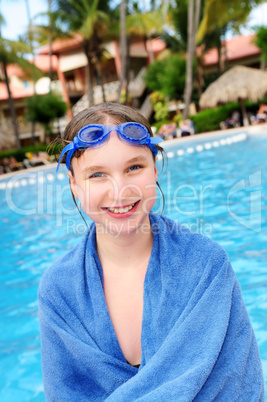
(220, 191)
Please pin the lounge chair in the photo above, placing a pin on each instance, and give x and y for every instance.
(168, 131)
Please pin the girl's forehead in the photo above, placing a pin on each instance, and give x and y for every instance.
(113, 152)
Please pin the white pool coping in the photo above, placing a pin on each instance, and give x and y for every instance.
(212, 135)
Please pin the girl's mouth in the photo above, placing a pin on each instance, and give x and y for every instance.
(122, 212)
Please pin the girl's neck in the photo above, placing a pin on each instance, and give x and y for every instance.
(125, 250)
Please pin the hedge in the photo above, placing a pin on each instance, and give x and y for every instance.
(209, 119)
(19, 154)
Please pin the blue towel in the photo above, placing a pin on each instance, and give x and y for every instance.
(197, 340)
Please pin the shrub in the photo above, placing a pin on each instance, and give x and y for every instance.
(19, 154)
(209, 119)
(167, 76)
(45, 108)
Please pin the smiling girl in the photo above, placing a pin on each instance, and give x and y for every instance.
(141, 308)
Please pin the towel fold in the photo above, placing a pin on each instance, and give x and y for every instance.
(197, 340)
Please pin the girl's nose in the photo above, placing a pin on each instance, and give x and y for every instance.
(122, 189)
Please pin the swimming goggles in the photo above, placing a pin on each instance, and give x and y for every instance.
(94, 135)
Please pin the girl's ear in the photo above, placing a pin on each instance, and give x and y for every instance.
(73, 185)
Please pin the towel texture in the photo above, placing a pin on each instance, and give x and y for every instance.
(197, 340)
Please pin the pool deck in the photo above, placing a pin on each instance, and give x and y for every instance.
(211, 135)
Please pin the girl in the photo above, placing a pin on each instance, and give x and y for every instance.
(142, 308)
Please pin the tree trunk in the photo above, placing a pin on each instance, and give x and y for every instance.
(197, 19)
(199, 76)
(150, 51)
(33, 63)
(90, 91)
(12, 109)
(189, 60)
(50, 47)
(123, 47)
(127, 70)
(219, 49)
(193, 18)
(99, 72)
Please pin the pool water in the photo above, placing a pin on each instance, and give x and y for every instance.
(215, 186)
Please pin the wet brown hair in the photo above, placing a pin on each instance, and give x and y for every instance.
(100, 114)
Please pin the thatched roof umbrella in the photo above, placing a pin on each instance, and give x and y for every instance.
(237, 84)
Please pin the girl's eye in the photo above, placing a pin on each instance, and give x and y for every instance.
(135, 167)
(97, 174)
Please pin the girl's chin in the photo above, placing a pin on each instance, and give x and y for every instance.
(124, 228)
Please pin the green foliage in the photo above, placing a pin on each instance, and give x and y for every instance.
(231, 15)
(84, 17)
(179, 19)
(160, 105)
(261, 41)
(161, 111)
(19, 154)
(123, 97)
(45, 108)
(167, 76)
(209, 119)
(146, 24)
(13, 52)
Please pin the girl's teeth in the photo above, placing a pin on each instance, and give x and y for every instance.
(121, 210)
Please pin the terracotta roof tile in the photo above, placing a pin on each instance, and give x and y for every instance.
(237, 48)
(59, 45)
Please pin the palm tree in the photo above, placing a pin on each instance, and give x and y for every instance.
(232, 16)
(91, 23)
(194, 7)
(12, 52)
(123, 48)
(30, 39)
(146, 25)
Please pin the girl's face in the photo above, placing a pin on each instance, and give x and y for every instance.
(116, 185)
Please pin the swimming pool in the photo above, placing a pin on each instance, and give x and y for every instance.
(214, 185)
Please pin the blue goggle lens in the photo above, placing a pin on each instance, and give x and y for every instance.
(135, 132)
(91, 134)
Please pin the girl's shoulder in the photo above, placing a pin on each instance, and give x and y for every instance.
(66, 269)
(178, 241)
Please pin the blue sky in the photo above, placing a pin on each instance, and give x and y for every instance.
(15, 14)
